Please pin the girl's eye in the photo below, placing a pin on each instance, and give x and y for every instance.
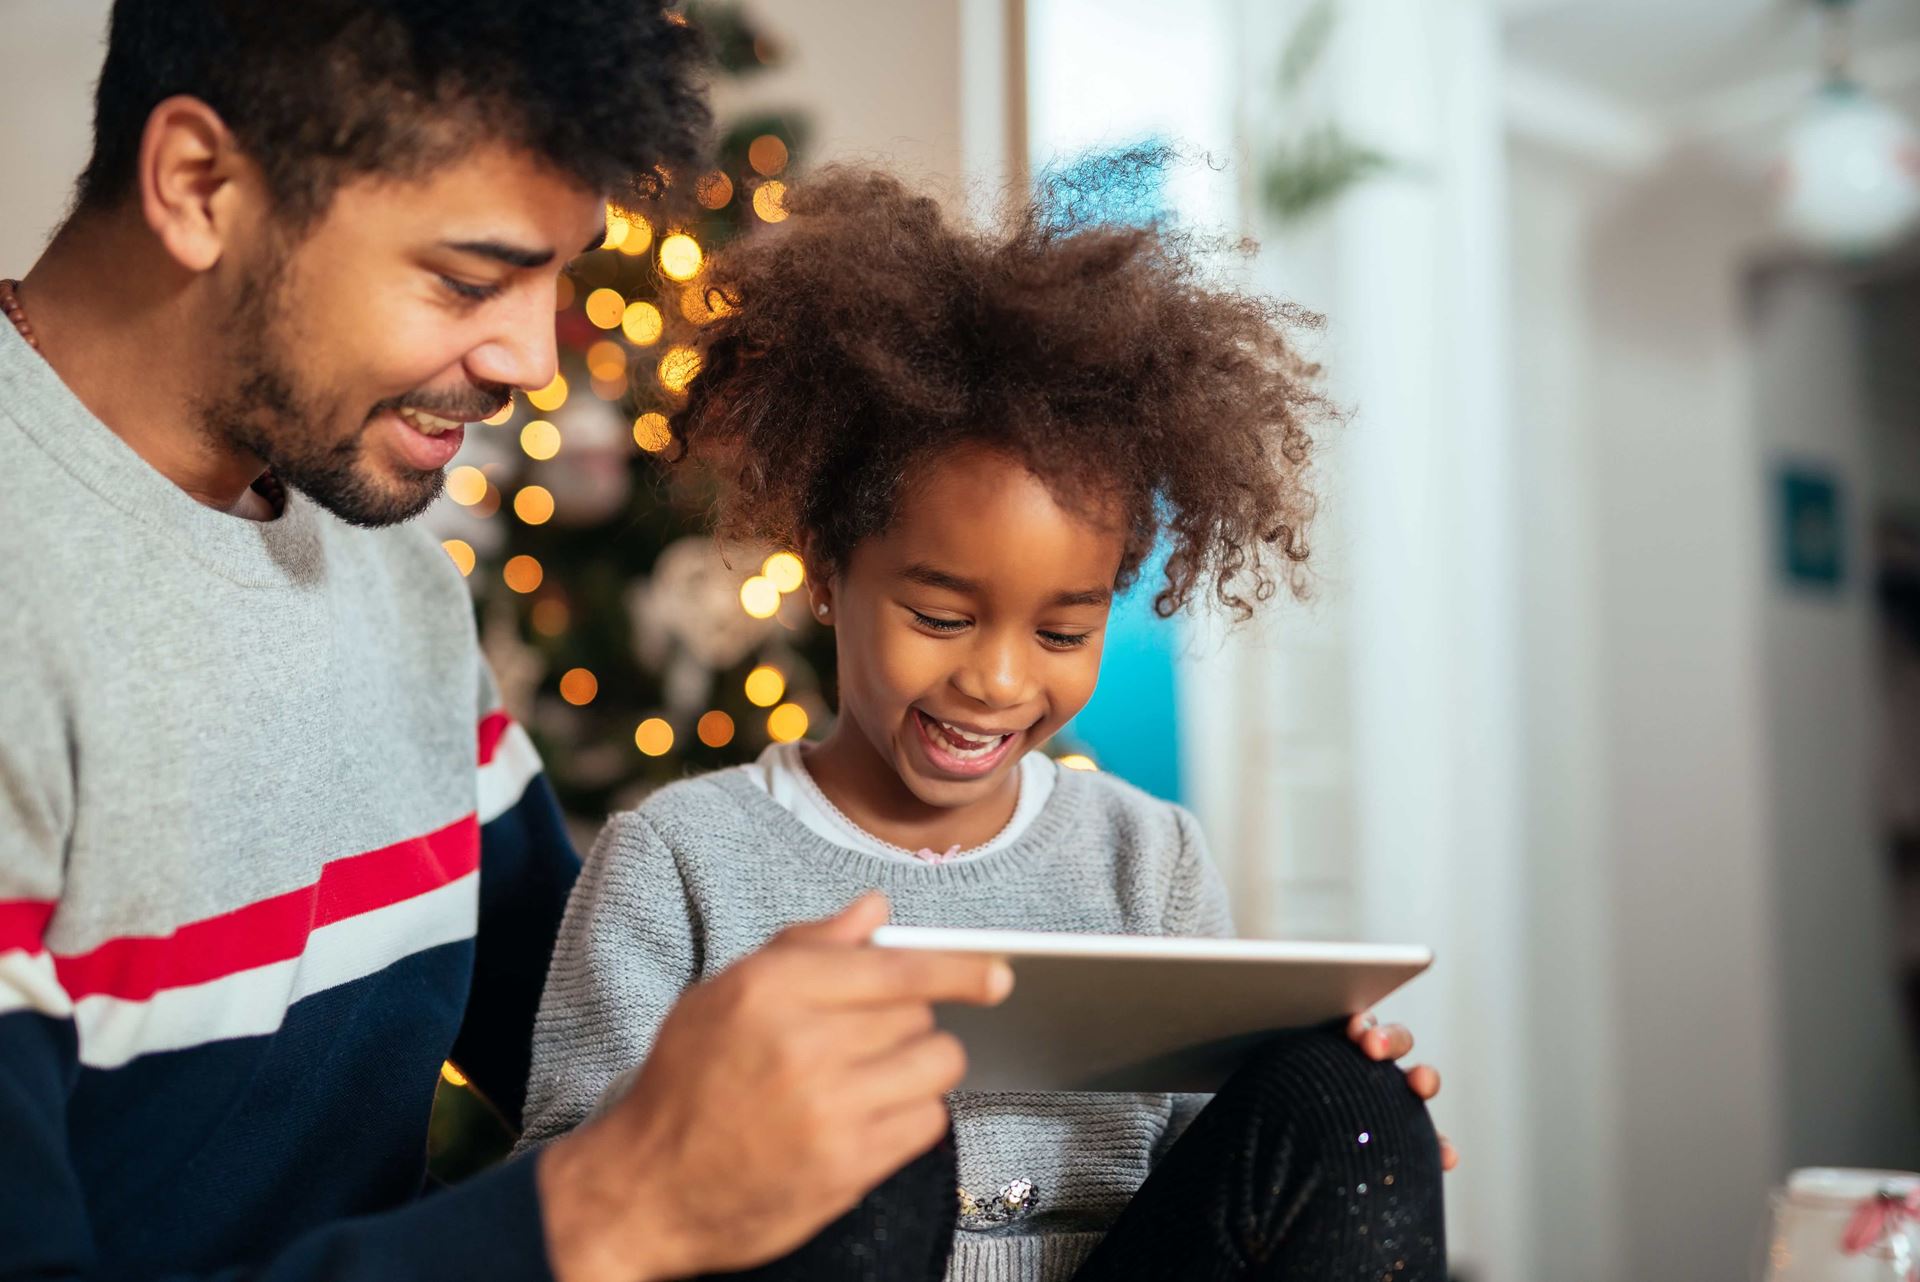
(471, 292)
(1065, 640)
(938, 625)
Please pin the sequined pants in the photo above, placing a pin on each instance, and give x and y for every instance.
(1313, 1164)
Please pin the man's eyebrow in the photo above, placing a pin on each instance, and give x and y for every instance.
(927, 576)
(500, 251)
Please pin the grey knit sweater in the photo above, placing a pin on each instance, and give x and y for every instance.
(709, 869)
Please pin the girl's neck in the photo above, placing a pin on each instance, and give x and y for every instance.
(867, 790)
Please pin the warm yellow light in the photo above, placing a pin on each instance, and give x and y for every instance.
(785, 570)
(551, 397)
(650, 432)
(578, 686)
(767, 154)
(713, 190)
(638, 238)
(461, 553)
(787, 723)
(489, 503)
(1078, 761)
(495, 420)
(770, 201)
(759, 597)
(607, 359)
(605, 307)
(540, 439)
(642, 324)
(610, 389)
(550, 616)
(466, 485)
(680, 256)
(522, 574)
(533, 504)
(766, 686)
(654, 737)
(716, 729)
(678, 368)
(451, 1075)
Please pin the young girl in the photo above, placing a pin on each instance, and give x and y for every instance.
(975, 442)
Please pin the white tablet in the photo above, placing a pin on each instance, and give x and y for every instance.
(1144, 1013)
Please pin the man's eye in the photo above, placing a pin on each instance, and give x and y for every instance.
(939, 625)
(470, 292)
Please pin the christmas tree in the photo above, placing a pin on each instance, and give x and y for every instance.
(633, 647)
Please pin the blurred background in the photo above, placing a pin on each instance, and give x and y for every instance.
(1609, 689)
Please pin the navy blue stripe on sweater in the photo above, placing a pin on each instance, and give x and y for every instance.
(296, 1155)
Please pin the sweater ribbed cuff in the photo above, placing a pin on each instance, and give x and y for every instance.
(1038, 1257)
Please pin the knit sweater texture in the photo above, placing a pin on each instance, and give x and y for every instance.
(709, 869)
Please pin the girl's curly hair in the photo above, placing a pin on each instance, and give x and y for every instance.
(870, 333)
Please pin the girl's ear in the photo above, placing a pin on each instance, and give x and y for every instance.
(819, 584)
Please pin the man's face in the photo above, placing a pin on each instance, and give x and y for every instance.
(354, 356)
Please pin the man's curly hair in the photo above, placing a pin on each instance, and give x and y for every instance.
(870, 333)
(319, 92)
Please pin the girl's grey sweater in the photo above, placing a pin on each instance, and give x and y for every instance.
(709, 869)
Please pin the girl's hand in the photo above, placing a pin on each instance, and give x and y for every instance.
(1392, 1041)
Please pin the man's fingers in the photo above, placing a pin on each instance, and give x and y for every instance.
(828, 978)
(855, 1036)
(922, 1070)
(851, 926)
(1425, 1080)
(898, 1137)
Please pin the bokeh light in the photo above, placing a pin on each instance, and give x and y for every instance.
(650, 432)
(466, 485)
(766, 686)
(533, 504)
(680, 256)
(540, 440)
(654, 737)
(713, 190)
(605, 307)
(502, 415)
(767, 154)
(1078, 761)
(618, 229)
(461, 553)
(787, 723)
(785, 570)
(522, 574)
(715, 729)
(679, 367)
(770, 201)
(642, 324)
(452, 1076)
(759, 597)
(550, 616)
(551, 397)
(639, 237)
(606, 359)
(578, 686)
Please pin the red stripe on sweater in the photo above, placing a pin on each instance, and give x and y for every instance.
(493, 728)
(276, 929)
(23, 924)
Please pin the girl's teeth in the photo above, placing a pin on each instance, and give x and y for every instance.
(966, 746)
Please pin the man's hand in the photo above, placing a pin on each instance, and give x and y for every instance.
(778, 1094)
(1394, 1041)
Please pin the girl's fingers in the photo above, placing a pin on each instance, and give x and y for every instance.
(1425, 1080)
(1449, 1155)
(1359, 1025)
(1389, 1041)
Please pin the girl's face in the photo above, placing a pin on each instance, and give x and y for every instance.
(971, 630)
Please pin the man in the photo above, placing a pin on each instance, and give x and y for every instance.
(252, 892)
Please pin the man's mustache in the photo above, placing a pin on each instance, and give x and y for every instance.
(470, 406)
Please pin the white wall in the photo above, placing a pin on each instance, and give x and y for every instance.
(52, 51)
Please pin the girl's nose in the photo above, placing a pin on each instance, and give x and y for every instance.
(996, 674)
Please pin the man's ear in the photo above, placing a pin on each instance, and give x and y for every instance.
(195, 184)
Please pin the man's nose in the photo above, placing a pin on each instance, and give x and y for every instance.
(521, 351)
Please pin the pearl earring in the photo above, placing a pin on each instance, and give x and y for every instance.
(821, 609)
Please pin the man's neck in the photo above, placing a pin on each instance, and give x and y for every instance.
(115, 319)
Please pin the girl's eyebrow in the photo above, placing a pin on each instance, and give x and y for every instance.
(927, 576)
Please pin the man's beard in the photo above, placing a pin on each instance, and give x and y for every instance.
(268, 412)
